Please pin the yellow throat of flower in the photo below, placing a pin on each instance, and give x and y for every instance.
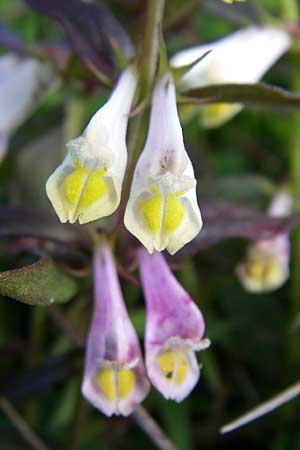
(115, 384)
(161, 213)
(173, 365)
(83, 187)
(265, 272)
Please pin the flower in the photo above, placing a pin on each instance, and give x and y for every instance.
(162, 211)
(87, 185)
(266, 266)
(114, 376)
(174, 329)
(242, 57)
(22, 83)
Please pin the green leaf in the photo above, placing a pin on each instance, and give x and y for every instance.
(260, 94)
(41, 283)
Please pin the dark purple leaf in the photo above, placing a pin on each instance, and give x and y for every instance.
(91, 29)
(56, 368)
(23, 222)
(240, 14)
(225, 221)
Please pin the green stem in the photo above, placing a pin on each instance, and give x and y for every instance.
(155, 11)
(148, 64)
(75, 114)
(290, 10)
(291, 13)
(21, 425)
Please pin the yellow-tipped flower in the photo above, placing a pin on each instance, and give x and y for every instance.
(242, 57)
(114, 378)
(87, 185)
(266, 266)
(162, 211)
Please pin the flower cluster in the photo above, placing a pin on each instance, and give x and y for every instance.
(162, 213)
(115, 379)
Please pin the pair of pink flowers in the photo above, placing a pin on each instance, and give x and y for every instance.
(115, 379)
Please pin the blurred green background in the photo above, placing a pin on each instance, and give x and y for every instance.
(254, 352)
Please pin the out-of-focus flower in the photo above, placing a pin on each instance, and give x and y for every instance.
(233, 1)
(174, 329)
(162, 211)
(87, 185)
(266, 267)
(22, 83)
(242, 57)
(114, 375)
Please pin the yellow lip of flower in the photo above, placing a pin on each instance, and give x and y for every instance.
(265, 272)
(82, 187)
(173, 365)
(115, 383)
(162, 213)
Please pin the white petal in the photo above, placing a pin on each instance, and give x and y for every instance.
(21, 84)
(242, 57)
(101, 146)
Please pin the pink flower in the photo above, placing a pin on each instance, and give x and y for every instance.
(114, 376)
(174, 329)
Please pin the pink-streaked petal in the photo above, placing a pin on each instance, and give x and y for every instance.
(112, 342)
(174, 329)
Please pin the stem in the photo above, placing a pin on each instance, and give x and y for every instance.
(150, 53)
(74, 115)
(152, 429)
(24, 429)
(265, 408)
(155, 11)
(292, 12)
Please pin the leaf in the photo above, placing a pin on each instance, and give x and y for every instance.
(259, 94)
(241, 14)
(41, 283)
(224, 221)
(24, 222)
(92, 30)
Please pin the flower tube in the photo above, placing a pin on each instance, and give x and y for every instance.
(114, 376)
(23, 81)
(87, 185)
(174, 329)
(242, 57)
(162, 211)
(266, 266)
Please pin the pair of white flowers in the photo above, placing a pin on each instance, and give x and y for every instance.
(162, 210)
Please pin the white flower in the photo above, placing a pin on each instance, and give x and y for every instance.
(87, 185)
(266, 266)
(162, 211)
(242, 57)
(22, 82)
